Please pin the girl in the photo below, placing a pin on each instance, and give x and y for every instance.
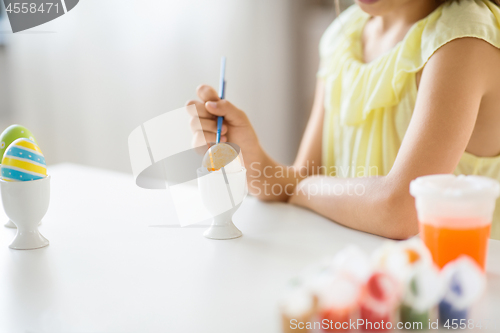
(405, 88)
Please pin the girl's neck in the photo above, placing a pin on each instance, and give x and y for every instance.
(382, 32)
(406, 15)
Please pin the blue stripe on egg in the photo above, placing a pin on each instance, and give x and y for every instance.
(25, 154)
(12, 174)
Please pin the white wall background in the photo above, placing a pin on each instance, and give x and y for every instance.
(82, 82)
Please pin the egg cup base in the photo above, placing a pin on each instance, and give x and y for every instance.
(220, 233)
(223, 227)
(10, 224)
(29, 240)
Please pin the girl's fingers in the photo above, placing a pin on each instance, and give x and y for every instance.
(207, 125)
(199, 111)
(227, 110)
(201, 138)
(207, 93)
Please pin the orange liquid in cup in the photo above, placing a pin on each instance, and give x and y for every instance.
(449, 238)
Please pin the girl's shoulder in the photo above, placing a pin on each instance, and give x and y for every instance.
(457, 19)
(467, 13)
(453, 20)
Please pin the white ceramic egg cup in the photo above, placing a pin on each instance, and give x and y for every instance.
(214, 194)
(26, 203)
(11, 224)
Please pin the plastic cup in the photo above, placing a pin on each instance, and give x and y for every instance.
(422, 292)
(378, 304)
(298, 305)
(464, 284)
(338, 302)
(455, 214)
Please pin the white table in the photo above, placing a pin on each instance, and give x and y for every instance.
(115, 265)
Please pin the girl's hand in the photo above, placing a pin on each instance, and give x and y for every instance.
(236, 128)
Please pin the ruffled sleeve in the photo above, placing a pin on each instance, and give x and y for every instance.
(458, 19)
(356, 89)
(333, 41)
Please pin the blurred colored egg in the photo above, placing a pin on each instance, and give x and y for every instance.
(23, 161)
(12, 133)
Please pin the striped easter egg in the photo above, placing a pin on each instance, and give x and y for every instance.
(23, 161)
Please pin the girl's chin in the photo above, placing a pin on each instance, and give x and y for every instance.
(366, 2)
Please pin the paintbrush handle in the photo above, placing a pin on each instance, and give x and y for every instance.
(222, 94)
(219, 128)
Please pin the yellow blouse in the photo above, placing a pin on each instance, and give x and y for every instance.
(368, 107)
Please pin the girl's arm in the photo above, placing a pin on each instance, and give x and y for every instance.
(267, 179)
(452, 85)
